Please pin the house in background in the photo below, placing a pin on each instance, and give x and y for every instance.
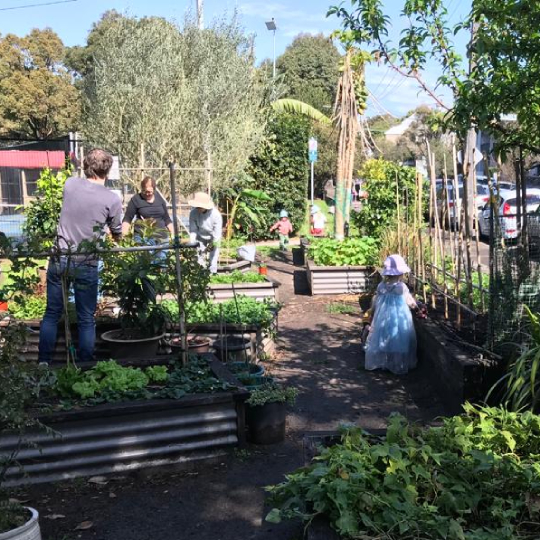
(19, 172)
(396, 132)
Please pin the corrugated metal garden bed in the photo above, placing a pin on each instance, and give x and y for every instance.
(125, 436)
(265, 290)
(340, 279)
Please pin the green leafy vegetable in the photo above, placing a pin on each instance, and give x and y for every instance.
(349, 252)
(237, 277)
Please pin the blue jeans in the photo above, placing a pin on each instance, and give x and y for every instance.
(84, 277)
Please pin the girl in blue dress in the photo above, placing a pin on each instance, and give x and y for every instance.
(391, 343)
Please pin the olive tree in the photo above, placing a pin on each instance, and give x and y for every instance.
(159, 92)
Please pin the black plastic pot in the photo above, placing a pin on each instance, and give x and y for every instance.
(197, 345)
(233, 349)
(121, 348)
(266, 423)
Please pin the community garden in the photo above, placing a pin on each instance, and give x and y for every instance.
(236, 403)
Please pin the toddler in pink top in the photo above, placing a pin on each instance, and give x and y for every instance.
(284, 228)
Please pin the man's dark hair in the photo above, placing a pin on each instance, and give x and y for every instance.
(147, 180)
(97, 164)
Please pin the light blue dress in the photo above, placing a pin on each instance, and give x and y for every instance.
(391, 343)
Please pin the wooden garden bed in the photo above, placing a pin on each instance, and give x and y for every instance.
(121, 437)
(340, 279)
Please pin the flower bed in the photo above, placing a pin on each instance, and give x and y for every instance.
(130, 434)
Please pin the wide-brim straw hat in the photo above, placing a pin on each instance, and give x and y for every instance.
(395, 265)
(201, 200)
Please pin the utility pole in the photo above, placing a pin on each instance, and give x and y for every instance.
(200, 17)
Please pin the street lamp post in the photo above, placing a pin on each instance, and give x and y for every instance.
(271, 25)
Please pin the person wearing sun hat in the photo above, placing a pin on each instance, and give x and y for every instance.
(284, 228)
(206, 228)
(318, 221)
(391, 343)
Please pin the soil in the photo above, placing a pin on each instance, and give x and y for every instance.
(320, 354)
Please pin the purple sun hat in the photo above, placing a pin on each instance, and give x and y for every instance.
(395, 265)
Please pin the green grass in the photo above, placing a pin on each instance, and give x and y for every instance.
(342, 309)
(304, 230)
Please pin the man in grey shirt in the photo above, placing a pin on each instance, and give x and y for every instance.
(87, 208)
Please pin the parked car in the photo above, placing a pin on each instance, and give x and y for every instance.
(507, 211)
(449, 213)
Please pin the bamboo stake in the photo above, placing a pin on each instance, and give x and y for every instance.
(398, 216)
(459, 236)
(477, 241)
(421, 266)
(468, 272)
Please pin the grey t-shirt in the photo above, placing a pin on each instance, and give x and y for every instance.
(85, 206)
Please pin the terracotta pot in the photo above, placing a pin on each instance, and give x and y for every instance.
(263, 270)
(3, 306)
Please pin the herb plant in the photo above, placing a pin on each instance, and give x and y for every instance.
(349, 252)
(249, 311)
(476, 477)
(237, 277)
(271, 393)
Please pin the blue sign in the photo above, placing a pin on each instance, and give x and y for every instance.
(312, 149)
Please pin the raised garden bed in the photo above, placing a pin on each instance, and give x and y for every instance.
(263, 340)
(459, 371)
(242, 266)
(265, 290)
(125, 436)
(340, 279)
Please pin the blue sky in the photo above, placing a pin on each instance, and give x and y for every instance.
(72, 21)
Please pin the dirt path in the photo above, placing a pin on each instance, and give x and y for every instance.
(319, 353)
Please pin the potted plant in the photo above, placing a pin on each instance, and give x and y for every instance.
(17, 393)
(266, 413)
(136, 279)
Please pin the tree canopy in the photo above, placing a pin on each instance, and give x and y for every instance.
(184, 94)
(37, 96)
(505, 60)
(310, 70)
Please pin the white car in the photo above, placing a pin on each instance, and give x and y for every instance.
(454, 203)
(507, 212)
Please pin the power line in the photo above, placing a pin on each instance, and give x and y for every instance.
(38, 5)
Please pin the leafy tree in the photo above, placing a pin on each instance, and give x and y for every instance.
(37, 96)
(186, 95)
(310, 70)
(280, 169)
(505, 54)
(384, 182)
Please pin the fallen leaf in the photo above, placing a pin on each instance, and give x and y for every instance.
(84, 525)
(54, 516)
(102, 480)
(19, 501)
(112, 495)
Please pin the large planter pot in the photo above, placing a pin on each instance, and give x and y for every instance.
(266, 423)
(196, 344)
(234, 349)
(122, 348)
(29, 531)
(340, 279)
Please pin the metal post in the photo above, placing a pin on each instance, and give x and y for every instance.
(180, 288)
(274, 69)
(200, 21)
(312, 197)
